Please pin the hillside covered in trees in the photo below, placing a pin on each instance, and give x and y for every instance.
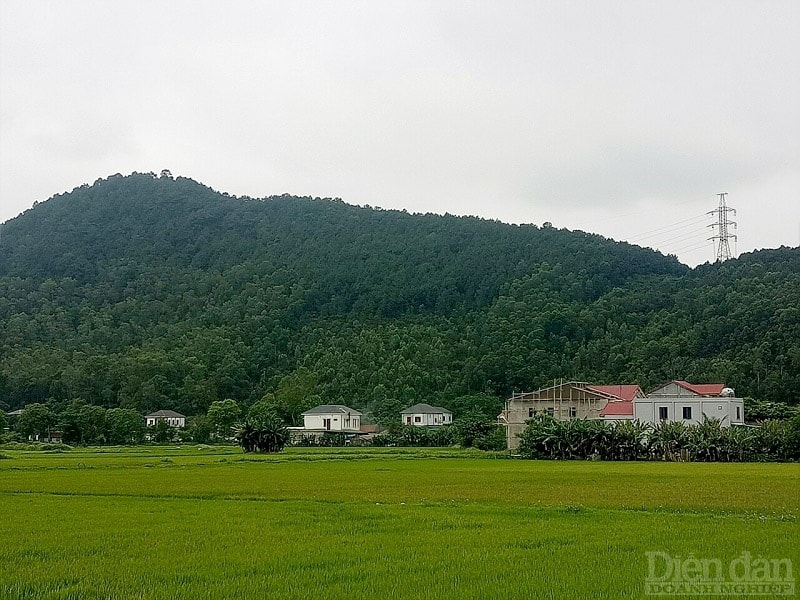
(150, 292)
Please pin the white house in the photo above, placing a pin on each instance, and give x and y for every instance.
(332, 417)
(689, 403)
(425, 415)
(172, 418)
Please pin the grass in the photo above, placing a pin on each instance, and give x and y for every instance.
(205, 522)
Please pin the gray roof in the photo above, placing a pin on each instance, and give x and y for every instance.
(171, 414)
(329, 409)
(15, 413)
(425, 409)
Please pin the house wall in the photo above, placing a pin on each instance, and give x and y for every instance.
(672, 390)
(611, 419)
(724, 409)
(519, 411)
(173, 421)
(513, 430)
(338, 421)
(427, 419)
(568, 400)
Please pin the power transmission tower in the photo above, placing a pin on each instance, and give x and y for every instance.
(722, 235)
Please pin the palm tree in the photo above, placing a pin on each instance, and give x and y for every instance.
(263, 432)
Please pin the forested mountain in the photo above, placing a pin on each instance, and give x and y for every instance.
(152, 292)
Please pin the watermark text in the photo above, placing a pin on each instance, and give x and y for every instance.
(745, 575)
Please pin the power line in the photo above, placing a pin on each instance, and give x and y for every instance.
(671, 226)
(696, 232)
(640, 211)
(691, 247)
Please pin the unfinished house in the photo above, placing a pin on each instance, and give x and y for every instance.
(566, 400)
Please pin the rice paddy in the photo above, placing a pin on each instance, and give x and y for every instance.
(204, 522)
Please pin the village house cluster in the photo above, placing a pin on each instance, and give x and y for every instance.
(675, 401)
(337, 418)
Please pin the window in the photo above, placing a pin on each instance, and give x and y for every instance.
(573, 412)
(417, 419)
(531, 412)
(550, 410)
(662, 413)
(687, 412)
(738, 413)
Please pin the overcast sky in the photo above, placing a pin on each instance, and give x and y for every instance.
(619, 118)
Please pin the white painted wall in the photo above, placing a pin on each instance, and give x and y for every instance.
(173, 421)
(337, 421)
(611, 419)
(724, 409)
(426, 419)
(671, 390)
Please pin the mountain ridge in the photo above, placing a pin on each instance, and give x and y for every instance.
(158, 292)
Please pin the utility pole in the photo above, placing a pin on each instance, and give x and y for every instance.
(722, 235)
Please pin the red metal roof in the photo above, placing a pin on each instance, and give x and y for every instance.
(623, 392)
(702, 389)
(619, 408)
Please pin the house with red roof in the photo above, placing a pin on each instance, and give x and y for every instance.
(690, 403)
(673, 401)
(684, 388)
(568, 400)
(620, 408)
(617, 411)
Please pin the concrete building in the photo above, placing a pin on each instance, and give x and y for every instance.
(172, 418)
(425, 415)
(331, 417)
(568, 400)
(673, 401)
(689, 403)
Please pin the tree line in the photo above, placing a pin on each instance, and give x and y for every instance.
(708, 441)
(261, 427)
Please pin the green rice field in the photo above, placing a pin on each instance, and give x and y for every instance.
(209, 522)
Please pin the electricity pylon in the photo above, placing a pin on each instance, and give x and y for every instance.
(722, 235)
